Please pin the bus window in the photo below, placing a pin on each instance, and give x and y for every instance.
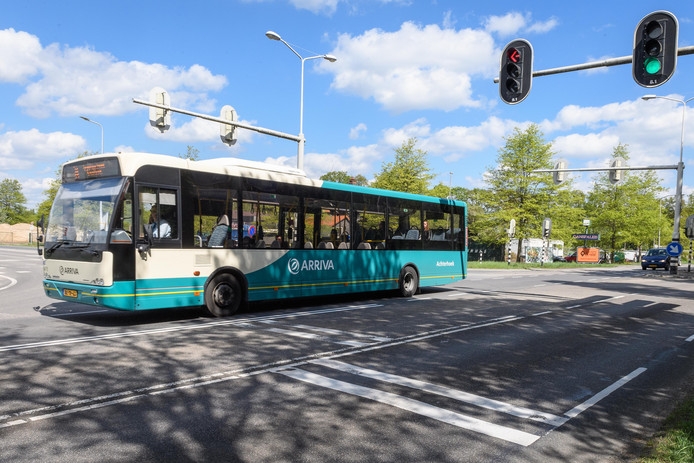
(213, 206)
(275, 217)
(158, 212)
(370, 217)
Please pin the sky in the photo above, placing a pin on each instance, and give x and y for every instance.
(405, 68)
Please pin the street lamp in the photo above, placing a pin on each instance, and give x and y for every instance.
(300, 153)
(680, 172)
(102, 131)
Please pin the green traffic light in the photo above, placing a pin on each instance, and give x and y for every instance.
(652, 65)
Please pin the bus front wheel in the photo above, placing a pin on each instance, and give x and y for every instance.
(223, 295)
(409, 282)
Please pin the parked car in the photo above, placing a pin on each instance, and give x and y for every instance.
(571, 257)
(656, 258)
(558, 259)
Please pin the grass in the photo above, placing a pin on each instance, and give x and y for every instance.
(674, 443)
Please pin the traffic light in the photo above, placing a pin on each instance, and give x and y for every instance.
(546, 227)
(655, 49)
(227, 132)
(158, 117)
(559, 177)
(616, 174)
(516, 73)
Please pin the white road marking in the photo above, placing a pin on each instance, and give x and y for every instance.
(460, 396)
(602, 394)
(12, 282)
(318, 337)
(415, 406)
(689, 339)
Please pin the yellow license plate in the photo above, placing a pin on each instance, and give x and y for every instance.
(70, 293)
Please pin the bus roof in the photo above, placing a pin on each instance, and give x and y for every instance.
(130, 162)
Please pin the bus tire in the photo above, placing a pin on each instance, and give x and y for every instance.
(223, 295)
(408, 282)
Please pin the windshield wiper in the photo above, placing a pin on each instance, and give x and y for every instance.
(56, 246)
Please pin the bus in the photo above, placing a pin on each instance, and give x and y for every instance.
(139, 231)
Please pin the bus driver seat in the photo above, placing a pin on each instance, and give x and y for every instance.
(219, 232)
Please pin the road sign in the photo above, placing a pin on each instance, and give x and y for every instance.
(586, 236)
(674, 249)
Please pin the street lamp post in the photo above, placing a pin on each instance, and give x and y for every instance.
(680, 173)
(300, 152)
(102, 131)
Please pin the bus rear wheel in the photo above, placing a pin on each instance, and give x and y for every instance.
(409, 282)
(223, 295)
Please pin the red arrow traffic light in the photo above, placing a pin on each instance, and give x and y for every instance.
(514, 55)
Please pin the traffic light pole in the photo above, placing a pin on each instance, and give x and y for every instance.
(682, 51)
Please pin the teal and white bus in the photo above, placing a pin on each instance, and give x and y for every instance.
(136, 231)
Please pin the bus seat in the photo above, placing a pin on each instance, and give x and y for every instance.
(343, 245)
(364, 245)
(219, 233)
(412, 234)
(308, 245)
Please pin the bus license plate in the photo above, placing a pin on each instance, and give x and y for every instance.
(70, 293)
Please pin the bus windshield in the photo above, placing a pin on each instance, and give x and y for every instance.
(82, 211)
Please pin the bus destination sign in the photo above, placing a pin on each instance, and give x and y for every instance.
(91, 169)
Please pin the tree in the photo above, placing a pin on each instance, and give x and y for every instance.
(12, 202)
(341, 176)
(410, 172)
(625, 214)
(515, 191)
(192, 153)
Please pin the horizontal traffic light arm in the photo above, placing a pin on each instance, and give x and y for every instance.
(606, 169)
(274, 133)
(598, 64)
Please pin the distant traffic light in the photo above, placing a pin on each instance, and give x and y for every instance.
(546, 227)
(559, 177)
(516, 73)
(158, 117)
(655, 49)
(616, 174)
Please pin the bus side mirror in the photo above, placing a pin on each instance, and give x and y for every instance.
(39, 236)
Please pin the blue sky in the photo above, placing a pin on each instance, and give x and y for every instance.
(415, 68)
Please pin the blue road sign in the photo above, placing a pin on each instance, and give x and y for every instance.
(674, 249)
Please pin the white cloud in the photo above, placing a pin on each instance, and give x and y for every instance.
(19, 55)
(510, 23)
(23, 150)
(327, 7)
(356, 131)
(415, 67)
(72, 81)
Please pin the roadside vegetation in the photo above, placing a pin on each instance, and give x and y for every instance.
(674, 443)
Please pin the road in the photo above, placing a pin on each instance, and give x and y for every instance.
(538, 365)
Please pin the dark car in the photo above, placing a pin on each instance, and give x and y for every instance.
(571, 257)
(656, 258)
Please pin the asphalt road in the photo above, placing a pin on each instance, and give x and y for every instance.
(543, 365)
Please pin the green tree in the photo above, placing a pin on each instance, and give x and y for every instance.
(516, 192)
(625, 214)
(12, 202)
(341, 176)
(192, 153)
(409, 172)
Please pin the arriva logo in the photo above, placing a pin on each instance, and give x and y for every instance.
(312, 265)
